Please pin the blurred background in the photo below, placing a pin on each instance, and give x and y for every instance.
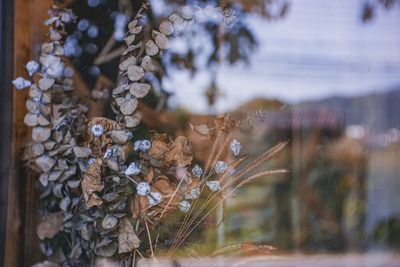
(324, 75)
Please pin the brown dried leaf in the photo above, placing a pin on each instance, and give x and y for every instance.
(50, 225)
(92, 183)
(158, 149)
(180, 153)
(127, 238)
(201, 129)
(149, 176)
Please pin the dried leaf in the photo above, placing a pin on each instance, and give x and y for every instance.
(161, 41)
(106, 248)
(135, 73)
(180, 153)
(128, 106)
(109, 221)
(151, 48)
(31, 119)
(38, 149)
(46, 264)
(50, 225)
(158, 149)
(92, 183)
(127, 238)
(132, 121)
(186, 12)
(126, 63)
(120, 89)
(135, 30)
(82, 152)
(166, 27)
(40, 134)
(139, 90)
(46, 83)
(201, 129)
(32, 106)
(120, 137)
(132, 24)
(148, 64)
(45, 163)
(130, 39)
(132, 47)
(53, 176)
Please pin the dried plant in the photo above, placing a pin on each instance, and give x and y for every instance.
(105, 194)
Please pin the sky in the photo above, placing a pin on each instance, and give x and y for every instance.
(320, 49)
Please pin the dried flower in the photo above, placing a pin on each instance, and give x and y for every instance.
(197, 171)
(142, 145)
(133, 169)
(213, 185)
(220, 166)
(235, 147)
(91, 160)
(145, 145)
(110, 152)
(194, 193)
(143, 188)
(184, 206)
(97, 130)
(154, 198)
(32, 67)
(21, 83)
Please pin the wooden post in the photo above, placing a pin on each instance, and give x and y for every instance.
(21, 247)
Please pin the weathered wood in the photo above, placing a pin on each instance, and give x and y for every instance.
(6, 28)
(21, 245)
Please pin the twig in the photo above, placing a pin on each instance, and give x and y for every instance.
(108, 57)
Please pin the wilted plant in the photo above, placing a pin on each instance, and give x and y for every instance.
(103, 192)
